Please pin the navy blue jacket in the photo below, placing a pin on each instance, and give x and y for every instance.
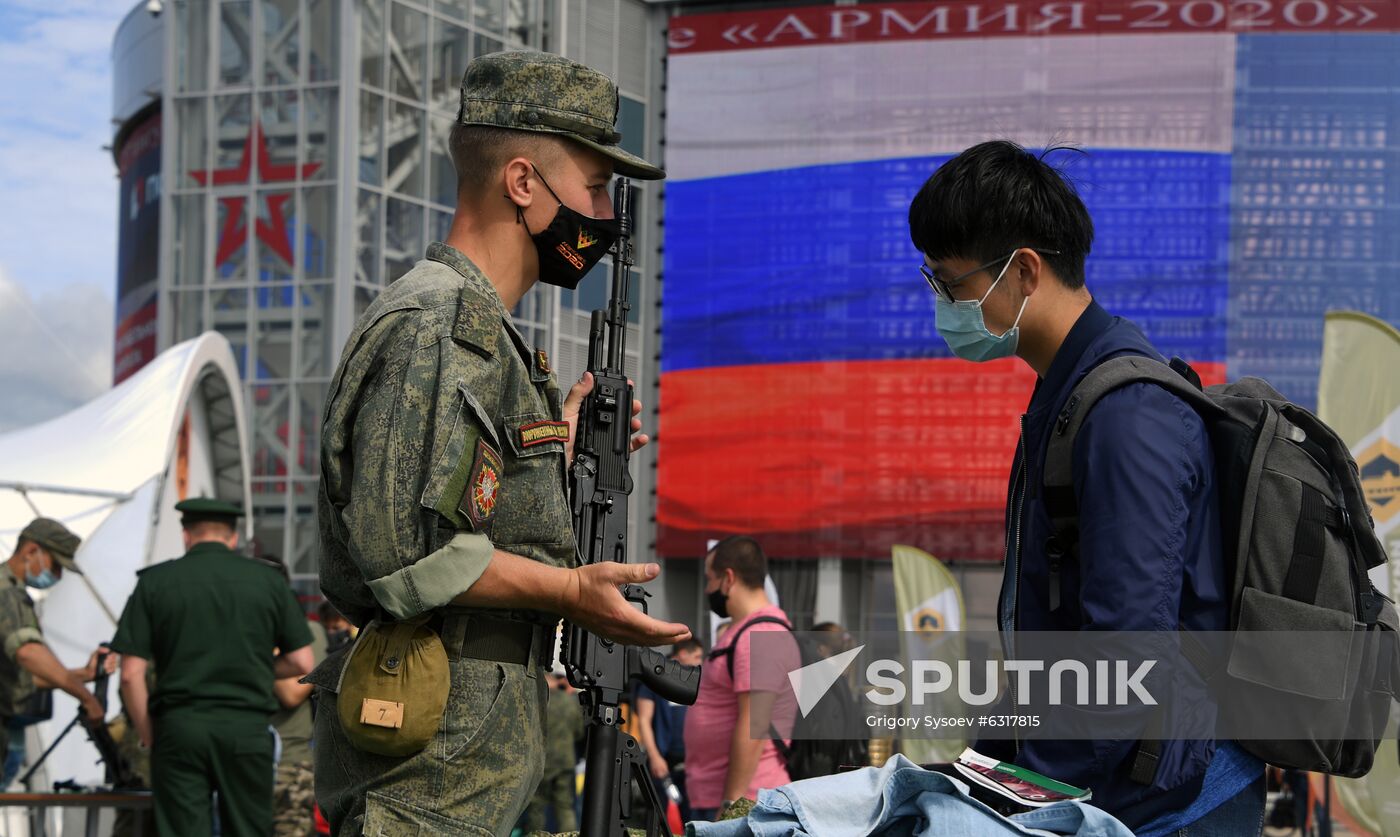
(1149, 558)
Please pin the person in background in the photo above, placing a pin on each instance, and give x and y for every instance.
(209, 621)
(724, 760)
(339, 631)
(565, 730)
(294, 792)
(661, 729)
(43, 553)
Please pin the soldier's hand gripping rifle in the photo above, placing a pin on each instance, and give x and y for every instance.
(118, 771)
(599, 484)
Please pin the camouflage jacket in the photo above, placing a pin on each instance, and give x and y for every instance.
(443, 437)
(18, 626)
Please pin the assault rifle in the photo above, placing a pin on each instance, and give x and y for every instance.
(599, 484)
(119, 774)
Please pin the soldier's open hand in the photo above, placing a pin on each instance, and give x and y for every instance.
(574, 401)
(594, 602)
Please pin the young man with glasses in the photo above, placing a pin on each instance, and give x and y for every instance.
(1004, 239)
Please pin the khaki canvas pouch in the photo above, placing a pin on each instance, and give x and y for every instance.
(393, 689)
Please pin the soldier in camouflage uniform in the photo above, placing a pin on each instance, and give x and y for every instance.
(444, 451)
(293, 794)
(44, 552)
(565, 729)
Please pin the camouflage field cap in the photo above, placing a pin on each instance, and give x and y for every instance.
(56, 539)
(537, 91)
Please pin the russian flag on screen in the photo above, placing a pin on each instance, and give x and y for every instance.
(807, 398)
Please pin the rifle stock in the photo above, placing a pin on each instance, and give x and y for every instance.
(599, 485)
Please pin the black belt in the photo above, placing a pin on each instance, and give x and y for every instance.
(496, 640)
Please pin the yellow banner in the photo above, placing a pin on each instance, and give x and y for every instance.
(930, 605)
(1359, 397)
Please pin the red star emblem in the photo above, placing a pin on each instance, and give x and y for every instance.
(273, 231)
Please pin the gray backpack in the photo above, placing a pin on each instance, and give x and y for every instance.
(1298, 541)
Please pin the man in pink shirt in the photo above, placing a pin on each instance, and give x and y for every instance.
(724, 761)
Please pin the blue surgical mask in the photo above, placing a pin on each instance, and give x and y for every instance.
(964, 329)
(43, 581)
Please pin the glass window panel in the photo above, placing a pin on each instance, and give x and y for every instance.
(193, 134)
(438, 224)
(408, 36)
(451, 48)
(485, 45)
(404, 141)
(269, 517)
(318, 233)
(371, 136)
(233, 129)
(274, 333)
(314, 308)
(278, 119)
(187, 313)
(323, 40)
(306, 542)
(460, 9)
(281, 46)
(634, 284)
(593, 290)
(403, 237)
(319, 153)
(631, 122)
(312, 397)
(189, 232)
(442, 172)
(490, 15)
(231, 240)
(367, 238)
(276, 218)
(235, 42)
(363, 297)
(229, 312)
(518, 22)
(191, 52)
(372, 43)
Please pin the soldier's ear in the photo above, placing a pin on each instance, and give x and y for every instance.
(519, 188)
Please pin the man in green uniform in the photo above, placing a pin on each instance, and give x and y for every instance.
(444, 451)
(44, 552)
(564, 731)
(209, 622)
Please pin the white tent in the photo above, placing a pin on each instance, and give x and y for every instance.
(112, 470)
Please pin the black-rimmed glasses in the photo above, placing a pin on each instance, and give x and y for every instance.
(944, 289)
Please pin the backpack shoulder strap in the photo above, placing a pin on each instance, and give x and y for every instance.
(727, 652)
(1058, 484)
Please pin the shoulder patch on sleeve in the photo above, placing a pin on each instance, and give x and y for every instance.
(483, 491)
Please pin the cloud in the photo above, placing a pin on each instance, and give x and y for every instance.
(55, 351)
(58, 221)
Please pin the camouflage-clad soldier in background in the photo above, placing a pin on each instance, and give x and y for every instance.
(443, 462)
(43, 553)
(565, 729)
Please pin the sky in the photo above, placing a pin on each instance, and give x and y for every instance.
(58, 205)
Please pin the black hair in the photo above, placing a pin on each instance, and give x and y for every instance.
(996, 197)
(745, 557)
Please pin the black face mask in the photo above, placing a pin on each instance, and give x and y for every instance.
(719, 603)
(571, 244)
(335, 640)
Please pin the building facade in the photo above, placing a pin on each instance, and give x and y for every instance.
(283, 160)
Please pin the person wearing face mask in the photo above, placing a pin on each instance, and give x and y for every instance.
(43, 554)
(444, 450)
(724, 760)
(1004, 239)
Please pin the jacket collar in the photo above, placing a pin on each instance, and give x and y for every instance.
(1092, 323)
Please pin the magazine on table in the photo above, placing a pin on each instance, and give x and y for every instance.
(1015, 783)
(1005, 787)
